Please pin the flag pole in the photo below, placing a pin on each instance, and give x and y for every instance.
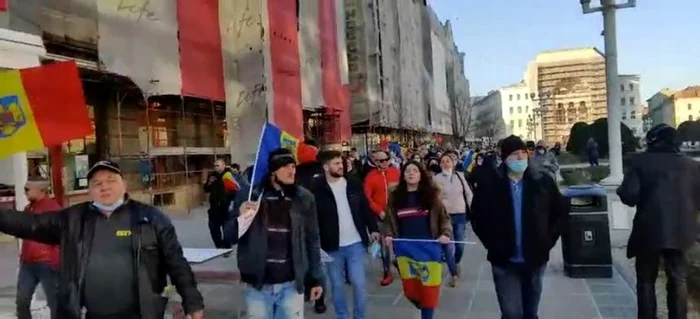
(434, 241)
(255, 164)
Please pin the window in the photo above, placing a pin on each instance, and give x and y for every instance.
(520, 123)
(527, 108)
(520, 109)
(624, 116)
(631, 87)
(526, 96)
(510, 97)
(511, 110)
(622, 87)
(690, 107)
(631, 101)
(690, 117)
(518, 97)
(633, 115)
(512, 123)
(622, 101)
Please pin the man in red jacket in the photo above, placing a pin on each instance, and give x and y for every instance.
(38, 262)
(377, 184)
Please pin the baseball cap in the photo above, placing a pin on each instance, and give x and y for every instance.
(104, 165)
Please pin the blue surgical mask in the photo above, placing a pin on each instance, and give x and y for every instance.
(108, 208)
(516, 165)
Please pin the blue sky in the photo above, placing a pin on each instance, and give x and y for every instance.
(659, 39)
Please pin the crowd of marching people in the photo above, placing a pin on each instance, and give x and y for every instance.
(315, 217)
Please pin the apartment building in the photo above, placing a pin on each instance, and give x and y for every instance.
(517, 111)
(631, 104)
(675, 107)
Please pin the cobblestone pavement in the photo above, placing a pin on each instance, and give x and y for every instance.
(474, 297)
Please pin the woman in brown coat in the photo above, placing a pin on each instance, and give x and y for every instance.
(415, 211)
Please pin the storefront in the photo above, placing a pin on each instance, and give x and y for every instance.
(18, 50)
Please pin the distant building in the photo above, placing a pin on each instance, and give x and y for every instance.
(517, 112)
(631, 104)
(569, 87)
(674, 108)
(487, 119)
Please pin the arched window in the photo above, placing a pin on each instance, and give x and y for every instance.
(561, 114)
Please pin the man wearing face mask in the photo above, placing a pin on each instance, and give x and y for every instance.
(116, 253)
(544, 161)
(518, 216)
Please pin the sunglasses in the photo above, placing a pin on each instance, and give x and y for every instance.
(26, 189)
(383, 160)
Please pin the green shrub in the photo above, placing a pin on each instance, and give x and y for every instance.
(586, 175)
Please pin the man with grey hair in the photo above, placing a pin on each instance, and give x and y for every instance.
(38, 262)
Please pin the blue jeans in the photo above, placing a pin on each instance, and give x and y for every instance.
(518, 288)
(279, 301)
(454, 252)
(30, 275)
(354, 256)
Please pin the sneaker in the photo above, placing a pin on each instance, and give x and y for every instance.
(387, 280)
(453, 281)
(320, 306)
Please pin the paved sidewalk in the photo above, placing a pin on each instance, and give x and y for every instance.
(474, 298)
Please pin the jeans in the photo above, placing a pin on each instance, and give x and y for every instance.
(217, 221)
(518, 288)
(354, 256)
(676, 267)
(279, 301)
(454, 252)
(30, 275)
(385, 252)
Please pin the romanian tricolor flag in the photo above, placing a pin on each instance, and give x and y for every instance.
(272, 138)
(230, 183)
(41, 107)
(420, 268)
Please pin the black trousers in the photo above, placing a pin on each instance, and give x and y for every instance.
(676, 268)
(217, 221)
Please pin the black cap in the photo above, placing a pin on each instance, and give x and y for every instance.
(104, 165)
(279, 158)
(510, 145)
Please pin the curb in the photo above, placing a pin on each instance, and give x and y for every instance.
(629, 278)
(6, 239)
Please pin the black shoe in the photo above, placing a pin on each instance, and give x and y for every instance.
(320, 306)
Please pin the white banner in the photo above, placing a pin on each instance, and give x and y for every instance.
(138, 39)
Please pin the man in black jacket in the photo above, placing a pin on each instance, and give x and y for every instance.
(663, 184)
(344, 221)
(518, 214)
(222, 186)
(280, 248)
(116, 253)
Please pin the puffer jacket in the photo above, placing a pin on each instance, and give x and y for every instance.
(35, 252)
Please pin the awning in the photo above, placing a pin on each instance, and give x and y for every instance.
(19, 50)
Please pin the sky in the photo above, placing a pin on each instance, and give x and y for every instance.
(659, 39)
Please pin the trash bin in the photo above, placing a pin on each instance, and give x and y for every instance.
(586, 239)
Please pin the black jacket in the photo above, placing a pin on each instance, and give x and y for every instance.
(664, 188)
(328, 212)
(159, 254)
(219, 197)
(544, 216)
(306, 173)
(252, 246)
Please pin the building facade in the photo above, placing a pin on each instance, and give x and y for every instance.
(487, 118)
(517, 110)
(569, 87)
(631, 104)
(675, 107)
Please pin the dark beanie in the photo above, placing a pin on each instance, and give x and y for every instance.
(279, 158)
(663, 137)
(510, 145)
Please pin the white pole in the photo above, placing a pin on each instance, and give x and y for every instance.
(614, 116)
(255, 164)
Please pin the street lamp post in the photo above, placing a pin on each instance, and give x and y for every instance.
(608, 7)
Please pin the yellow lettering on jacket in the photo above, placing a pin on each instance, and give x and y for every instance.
(123, 233)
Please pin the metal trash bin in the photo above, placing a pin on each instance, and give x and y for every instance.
(586, 240)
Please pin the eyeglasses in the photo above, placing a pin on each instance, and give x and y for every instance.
(383, 160)
(26, 189)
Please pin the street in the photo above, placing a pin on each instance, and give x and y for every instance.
(474, 297)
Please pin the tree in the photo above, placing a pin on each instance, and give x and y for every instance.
(461, 123)
(599, 131)
(689, 131)
(488, 124)
(578, 138)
